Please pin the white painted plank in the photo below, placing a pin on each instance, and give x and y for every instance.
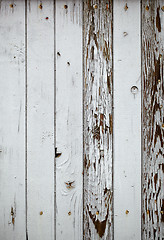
(127, 120)
(40, 120)
(69, 208)
(12, 120)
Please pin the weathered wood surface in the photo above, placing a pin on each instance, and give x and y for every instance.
(127, 120)
(40, 120)
(12, 120)
(153, 119)
(69, 120)
(98, 120)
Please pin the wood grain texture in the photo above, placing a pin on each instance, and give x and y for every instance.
(98, 120)
(153, 119)
(69, 120)
(12, 120)
(127, 119)
(40, 120)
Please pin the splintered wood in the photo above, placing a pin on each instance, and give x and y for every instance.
(98, 122)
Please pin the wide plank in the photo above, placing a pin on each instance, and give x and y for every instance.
(69, 120)
(152, 119)
(98, 119)
(12, 120)
(40, 120)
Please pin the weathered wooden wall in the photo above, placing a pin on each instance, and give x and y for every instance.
(81, 119)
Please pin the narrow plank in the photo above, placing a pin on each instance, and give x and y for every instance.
(40, 120)
(152, 119)
(12, 120)
(69, 125)
(98, 120)
(127, 120)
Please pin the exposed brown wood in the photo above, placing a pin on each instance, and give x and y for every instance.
(153, 119)
(98, 119)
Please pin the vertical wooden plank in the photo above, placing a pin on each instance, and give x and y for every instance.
(152, 119)
(40, 120)
(98, 120)
(127, 120)
(69, 184)
(12, 120)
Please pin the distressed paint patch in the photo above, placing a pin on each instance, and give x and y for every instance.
(98, 120)
(153, 134)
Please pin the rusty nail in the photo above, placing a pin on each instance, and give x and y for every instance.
(147, 8)
(95, 6)
(65, 6)
(69, 213)
(40, 6)
(163, 125)
(162, 8)
(41, 213)
(46, 18)
(159, 80)
(97, 213)
(126, 211)
(58, 53)
(126, 7)
(11, 5)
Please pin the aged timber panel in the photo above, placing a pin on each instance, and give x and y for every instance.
(12, 120)
(127, 120)
(69, 120)
(40, 120)
(153, 119)
(98, 120)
